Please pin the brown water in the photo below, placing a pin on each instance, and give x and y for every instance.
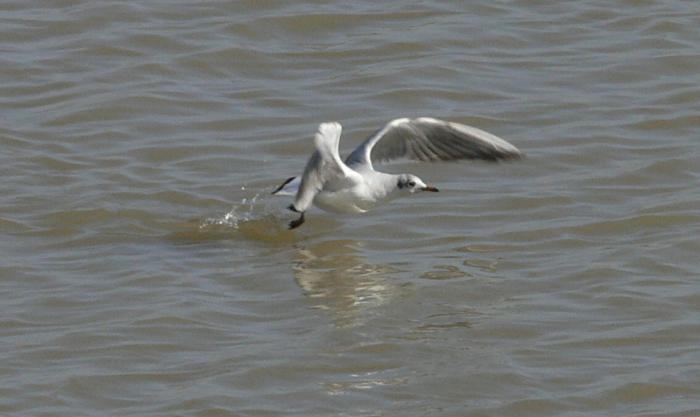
(145, 270)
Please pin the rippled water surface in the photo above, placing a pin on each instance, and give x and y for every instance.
(146, 271)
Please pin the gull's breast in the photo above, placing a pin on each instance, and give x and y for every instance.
(343, 201)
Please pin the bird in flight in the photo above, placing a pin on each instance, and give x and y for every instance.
(353, 185)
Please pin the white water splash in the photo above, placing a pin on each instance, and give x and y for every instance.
(245, 211)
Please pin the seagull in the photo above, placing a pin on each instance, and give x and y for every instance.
(353, 186)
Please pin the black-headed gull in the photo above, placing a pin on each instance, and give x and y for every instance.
(354, 186)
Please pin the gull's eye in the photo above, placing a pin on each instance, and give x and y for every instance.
(411, 184)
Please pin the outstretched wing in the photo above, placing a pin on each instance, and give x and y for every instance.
(325, 169)
(428, 139)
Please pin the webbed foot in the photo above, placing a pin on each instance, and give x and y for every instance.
(296, 223)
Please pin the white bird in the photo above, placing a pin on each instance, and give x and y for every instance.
(354, 186)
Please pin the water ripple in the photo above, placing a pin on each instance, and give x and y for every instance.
(146, 270)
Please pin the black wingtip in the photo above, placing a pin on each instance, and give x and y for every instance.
(287, 181)
(502, 157)
(292, 208)
(512, 157)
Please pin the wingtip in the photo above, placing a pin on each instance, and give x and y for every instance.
(515, 155)
(327, 128)
(511, 156)
(505, 157)
(281, 186)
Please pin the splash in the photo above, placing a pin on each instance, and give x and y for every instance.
(255, 218)
(243, 212)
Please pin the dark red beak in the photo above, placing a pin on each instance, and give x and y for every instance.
(430, 188)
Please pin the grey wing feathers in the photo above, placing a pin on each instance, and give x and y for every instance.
(427, 139)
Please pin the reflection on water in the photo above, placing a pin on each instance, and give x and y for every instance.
(444, 272)
(336, 277)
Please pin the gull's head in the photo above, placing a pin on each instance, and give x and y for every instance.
(411, 184)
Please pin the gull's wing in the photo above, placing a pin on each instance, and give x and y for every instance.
(325, 169)
(427, 139)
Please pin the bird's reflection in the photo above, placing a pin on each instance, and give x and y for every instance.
(334, 275)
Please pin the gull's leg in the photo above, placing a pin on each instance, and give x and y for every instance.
(296, 223)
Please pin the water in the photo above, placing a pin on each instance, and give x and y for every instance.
(146, 271)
